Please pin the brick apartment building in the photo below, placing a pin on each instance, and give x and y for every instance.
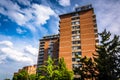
(48, 46)
(30, 69)
(77, 35)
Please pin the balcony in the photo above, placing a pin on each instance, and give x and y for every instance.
(40, 56)
(42, 43)
(76, 50)
(94, 16)
(75, 23)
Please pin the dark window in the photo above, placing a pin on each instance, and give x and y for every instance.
(97, 40)
(76, 42)
(76, 53)
(75, 32)
(95, 30)
(73, 59)
(75, 18)
(75, 27)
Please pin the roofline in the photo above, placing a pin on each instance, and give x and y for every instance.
(50, 37)
(79, 9)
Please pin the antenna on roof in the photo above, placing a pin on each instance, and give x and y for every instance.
(82, 8)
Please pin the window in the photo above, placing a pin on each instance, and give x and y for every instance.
(76, 65)
(76, 37)
(76, 47)
(95, 30)
(77, 59)
(97, 41)
(76, 32)
(76, 42)
(76, 23)
(41, 45)
(42, 42)
(96, 35)
(41, 51)
(41, 54)
(75, 18)
(76, 53)
(75, 27)
(73, 59)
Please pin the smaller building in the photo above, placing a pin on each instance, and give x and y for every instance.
(48, 46)
(30, 69)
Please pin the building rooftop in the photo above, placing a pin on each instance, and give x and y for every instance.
(79, 9)
(50, 37)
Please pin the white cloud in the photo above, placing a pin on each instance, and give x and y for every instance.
(6, 43)
(20, 31)
(2, 58)
(42, 13)
(11, 52)
(64, 2)
(30, 49)
(15, 55)
(108, 16)
(32, 17)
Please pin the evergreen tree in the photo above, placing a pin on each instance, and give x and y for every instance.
(87, 70)
(108, 57)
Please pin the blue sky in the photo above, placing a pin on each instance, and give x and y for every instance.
(24, 22)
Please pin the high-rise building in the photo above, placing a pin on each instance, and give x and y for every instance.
(48, 46)
(78, 35)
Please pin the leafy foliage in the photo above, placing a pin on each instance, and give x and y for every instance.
(51, 71)
(22, 75)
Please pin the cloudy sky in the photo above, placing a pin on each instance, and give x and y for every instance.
(24, 22)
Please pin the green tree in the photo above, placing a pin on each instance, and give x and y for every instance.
(22, 75)
(32, 77)
(87, 70)
(64, 74)
(52, 71)
(108, 57)
(47, 71)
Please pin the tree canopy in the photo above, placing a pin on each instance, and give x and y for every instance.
(53, 71)
(108, 57)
